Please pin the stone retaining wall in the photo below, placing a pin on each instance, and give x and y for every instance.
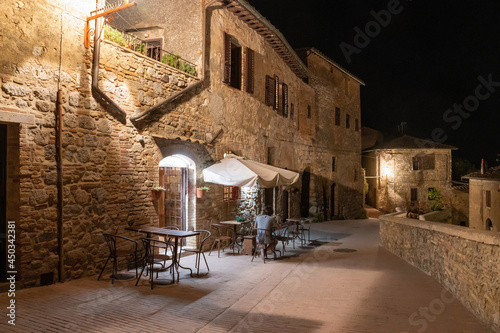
(465, 261)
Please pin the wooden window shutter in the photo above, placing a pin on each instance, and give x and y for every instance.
(284, 97)
(250, 71)
(270, 90)
(276, 93)
(337, 116)
(227, 58)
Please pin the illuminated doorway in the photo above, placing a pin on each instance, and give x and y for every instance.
(177, 204)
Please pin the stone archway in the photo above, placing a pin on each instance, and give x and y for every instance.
(489, 225)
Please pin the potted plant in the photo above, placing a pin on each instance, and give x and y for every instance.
(156, 192)
(200, 191)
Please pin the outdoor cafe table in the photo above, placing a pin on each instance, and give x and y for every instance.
(235, 224)
(168, 233)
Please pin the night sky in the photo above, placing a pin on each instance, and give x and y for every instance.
(422, 67)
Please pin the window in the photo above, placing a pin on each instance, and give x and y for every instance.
(347, 121)
(426, 162)
(250, 71)
(232, 62)
(309, 115)
(284, 100)
(418, 163)
(356, 124)
(337, 116)
(231, 193)
(413, 194)
(333, 163)
(488, 198)
(270, 90)
(292, 111)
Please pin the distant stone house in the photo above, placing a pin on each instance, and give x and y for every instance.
(484, 199)
(401, 172)
(132, 121)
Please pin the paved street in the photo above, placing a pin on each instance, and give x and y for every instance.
(343, 282)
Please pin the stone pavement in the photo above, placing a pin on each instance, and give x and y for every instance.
(343, 282)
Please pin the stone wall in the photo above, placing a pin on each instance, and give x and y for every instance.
(465, 261)
(108, 167)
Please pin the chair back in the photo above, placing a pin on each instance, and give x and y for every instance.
(171, 227)
(111, 242)
(201, 238)
(263, 235)
(221, 230)
(150, 244)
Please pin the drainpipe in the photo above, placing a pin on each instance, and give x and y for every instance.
(110, 105)
(59, 168)
(175, 96)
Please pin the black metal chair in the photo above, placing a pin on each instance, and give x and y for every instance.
(129, 251)
(153, 261)
(198, 250)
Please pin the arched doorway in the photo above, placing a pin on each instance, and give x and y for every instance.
(304, 196)
(489, 225)
(176, 205)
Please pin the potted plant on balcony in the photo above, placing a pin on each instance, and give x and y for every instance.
(156, 192)
(200, 191)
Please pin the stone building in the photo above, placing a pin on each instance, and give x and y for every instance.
(484, 199)
(401, 172)
(87, 133)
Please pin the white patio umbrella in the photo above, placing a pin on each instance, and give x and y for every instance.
(237, 171)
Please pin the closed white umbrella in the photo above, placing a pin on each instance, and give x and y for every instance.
(237, 171)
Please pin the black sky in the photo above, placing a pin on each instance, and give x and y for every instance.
(427, 59)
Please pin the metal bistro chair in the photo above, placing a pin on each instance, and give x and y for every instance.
(130, 252)
(221, 234)
(151, 258)
(260, 244)
(198, 250)
(305, 226)
(281, 235)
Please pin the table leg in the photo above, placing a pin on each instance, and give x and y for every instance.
(177, 260)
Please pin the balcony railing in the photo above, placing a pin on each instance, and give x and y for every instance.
(151, 50)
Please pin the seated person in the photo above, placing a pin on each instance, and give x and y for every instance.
(269, 223)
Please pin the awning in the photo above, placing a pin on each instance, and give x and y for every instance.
(237, 171)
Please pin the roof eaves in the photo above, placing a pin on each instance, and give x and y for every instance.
(272, 35)
(333, 63)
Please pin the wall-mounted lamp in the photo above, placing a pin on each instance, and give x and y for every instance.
(146, 35)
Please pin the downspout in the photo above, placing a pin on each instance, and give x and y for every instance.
(114, 108)
(59, 166)
(96, 92)
(177, 95)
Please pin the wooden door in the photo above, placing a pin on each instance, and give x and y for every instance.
(175, 181)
